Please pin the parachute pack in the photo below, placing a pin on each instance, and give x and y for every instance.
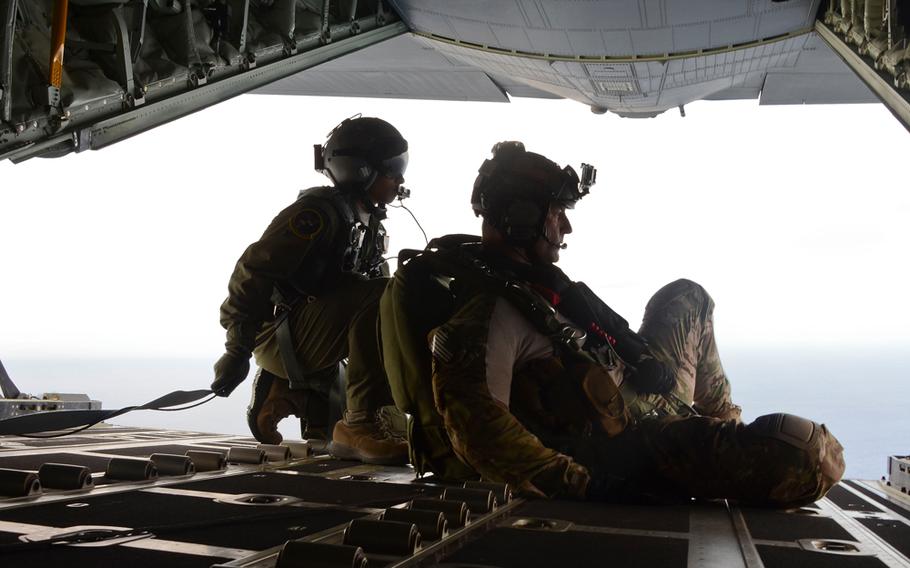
(420, 298)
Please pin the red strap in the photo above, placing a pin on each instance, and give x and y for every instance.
(549, 295)
(599, 331)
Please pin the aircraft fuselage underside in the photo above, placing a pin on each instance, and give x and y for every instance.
(82, 74)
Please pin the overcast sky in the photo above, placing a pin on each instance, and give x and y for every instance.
(794, 218)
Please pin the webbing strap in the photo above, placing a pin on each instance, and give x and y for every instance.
(288, 353)
(7, 387)
(682, 408)
(64, 419)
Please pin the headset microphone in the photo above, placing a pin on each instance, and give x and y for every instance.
(560, 246)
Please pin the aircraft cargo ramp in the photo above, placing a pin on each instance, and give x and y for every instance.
(223, 501)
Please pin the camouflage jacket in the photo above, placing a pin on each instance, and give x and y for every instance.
(513, 392)
(555, 393)
(304, 250)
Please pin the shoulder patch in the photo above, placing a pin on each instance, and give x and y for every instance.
(307, 223)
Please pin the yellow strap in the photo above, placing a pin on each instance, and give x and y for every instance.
(58, 39)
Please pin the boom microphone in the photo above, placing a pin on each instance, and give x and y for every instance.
(560, 246)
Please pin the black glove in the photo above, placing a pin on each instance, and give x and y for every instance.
(230, 370)
(652, 377)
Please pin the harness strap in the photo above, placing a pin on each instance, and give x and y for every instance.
(313, 383)
(356, 254)
(454, 259)
(460, 263)
(288, 353)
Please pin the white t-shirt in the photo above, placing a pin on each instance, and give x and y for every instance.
(512, 342)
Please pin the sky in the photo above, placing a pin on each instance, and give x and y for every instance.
(794, 218)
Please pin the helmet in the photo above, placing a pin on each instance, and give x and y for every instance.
(514, 190)
(360, 149)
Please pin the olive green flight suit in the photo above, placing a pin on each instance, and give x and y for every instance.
(333, 307)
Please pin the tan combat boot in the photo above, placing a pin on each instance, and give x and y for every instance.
(272, 402)
(367, 437)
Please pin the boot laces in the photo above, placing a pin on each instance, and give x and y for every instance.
(387, 428)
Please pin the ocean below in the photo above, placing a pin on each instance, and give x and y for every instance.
(861, 395)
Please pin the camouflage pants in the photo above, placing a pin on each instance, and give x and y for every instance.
(779, 460)
(341, 323)
(678, 324)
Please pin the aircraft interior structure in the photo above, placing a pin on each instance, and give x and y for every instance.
(82, 74)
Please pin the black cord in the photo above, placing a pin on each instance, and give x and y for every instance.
(87, 426)
(194, 405)
(411, 213)
(61, 434)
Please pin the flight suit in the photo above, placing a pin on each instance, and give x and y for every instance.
(562, 428)
(321, 259)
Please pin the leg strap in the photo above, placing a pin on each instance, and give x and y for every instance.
(287, 352)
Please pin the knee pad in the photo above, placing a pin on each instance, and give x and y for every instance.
(679, 288)
(793, 430)
(817, 465)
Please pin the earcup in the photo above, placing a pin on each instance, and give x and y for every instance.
(521, 220)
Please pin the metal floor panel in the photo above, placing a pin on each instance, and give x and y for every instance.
(314, 489)
(662, 518)
(780, 557)
(196, 521)
(518, 548)
(111, 556)
(777, 525)
(188, 519)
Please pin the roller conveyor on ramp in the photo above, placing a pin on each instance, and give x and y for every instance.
(242, 516)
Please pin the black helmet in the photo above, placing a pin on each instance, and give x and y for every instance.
(514, 189)
(361, 148)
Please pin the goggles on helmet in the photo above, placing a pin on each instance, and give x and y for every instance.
(393, 167)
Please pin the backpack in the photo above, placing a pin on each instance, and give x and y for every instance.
(421, 296)
(418, 299)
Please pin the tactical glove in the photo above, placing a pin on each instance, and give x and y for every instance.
(652, 377)
(230, 370)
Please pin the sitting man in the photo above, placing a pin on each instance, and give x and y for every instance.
(532, 380)
(306, 295)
